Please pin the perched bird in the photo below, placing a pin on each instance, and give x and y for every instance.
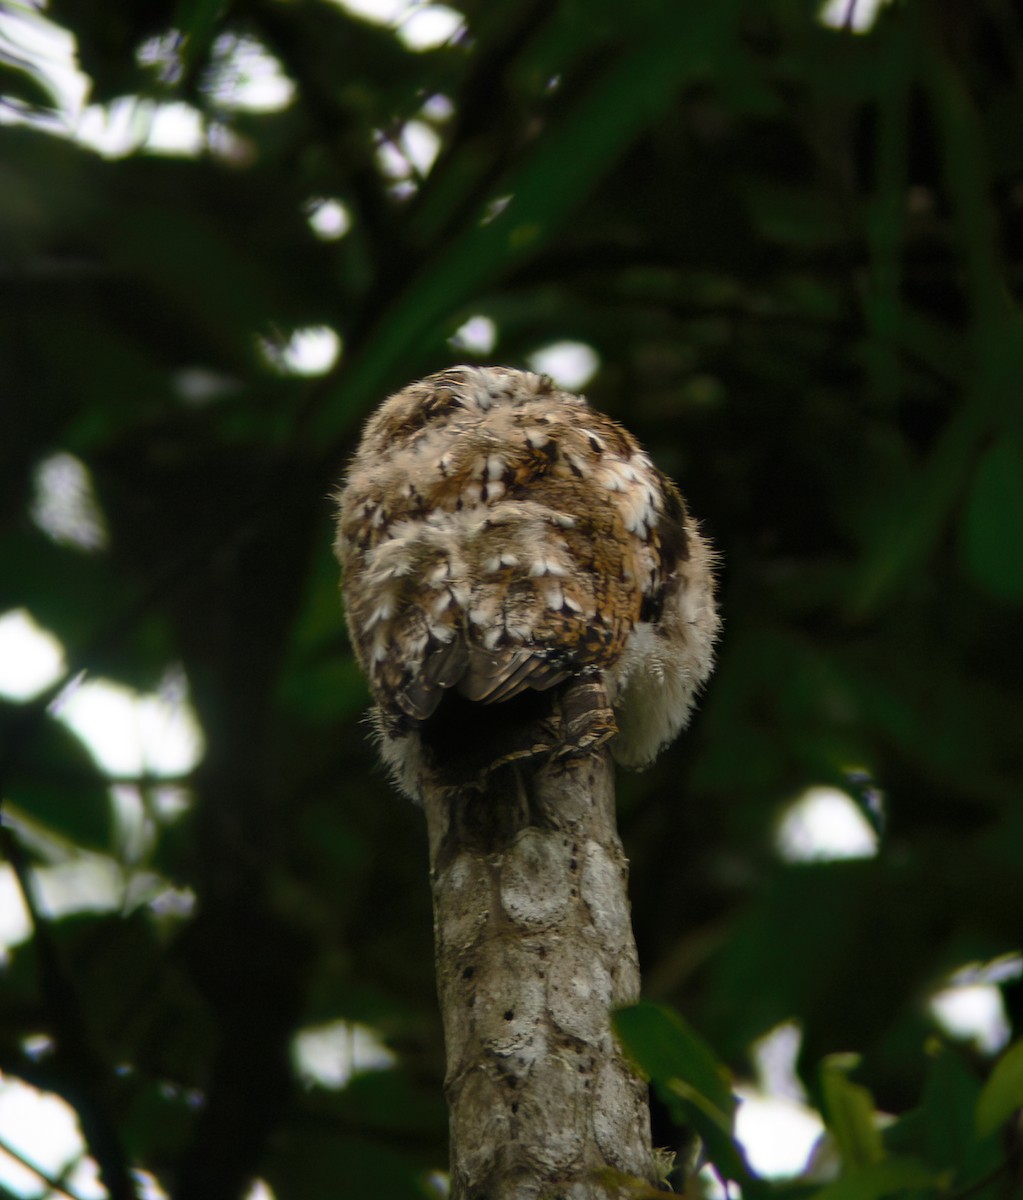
(520, 581)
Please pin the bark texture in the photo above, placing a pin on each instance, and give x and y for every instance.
(534, 950)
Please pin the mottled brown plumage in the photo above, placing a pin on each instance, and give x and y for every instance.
(500, 539)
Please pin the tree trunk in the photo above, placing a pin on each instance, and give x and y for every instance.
(534, 950)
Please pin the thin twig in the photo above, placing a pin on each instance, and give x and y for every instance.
(53, 1184)
(68, 1025)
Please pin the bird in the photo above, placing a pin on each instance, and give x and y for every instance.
(520, 581)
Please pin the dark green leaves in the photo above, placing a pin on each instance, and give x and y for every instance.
(891, 1177)
(946, 1143)
(850, 1113)
(1003, 1092)
(992, 546)
(689, 1079)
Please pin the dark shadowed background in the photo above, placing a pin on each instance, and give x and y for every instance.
(793, 251)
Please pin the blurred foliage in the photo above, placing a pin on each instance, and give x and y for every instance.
(948, 1145)
(797, 251)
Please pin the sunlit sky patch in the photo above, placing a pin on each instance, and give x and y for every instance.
(774, 1058)
(86, 883)
(133, 734)
(329, 1055)
(309, 351)
(775, 1125)
(420, 27)
(570, 364)
(14, 922)
(128, 734)
(45, 1131)
(380, 12)
(857, 15)
(51, 51)
(777, 1133)
(824, 825)
(31, 658)
(129, 124)
(246, 77)
(162, 54)
(438, 108)
(329, 218)
(65, 505)
(478, 335)
(429, 27)
(409, 153)
(973, 1012)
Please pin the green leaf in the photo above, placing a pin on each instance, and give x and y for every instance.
(992, 545)
(1003, 1092)
(669, 1050)
(57, 785)
(850, 1114)
(688, 1076)
(949, 1099)
(878, 1180)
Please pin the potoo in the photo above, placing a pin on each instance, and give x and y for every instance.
(520, 580)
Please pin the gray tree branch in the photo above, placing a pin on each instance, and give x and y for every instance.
(534, 950)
